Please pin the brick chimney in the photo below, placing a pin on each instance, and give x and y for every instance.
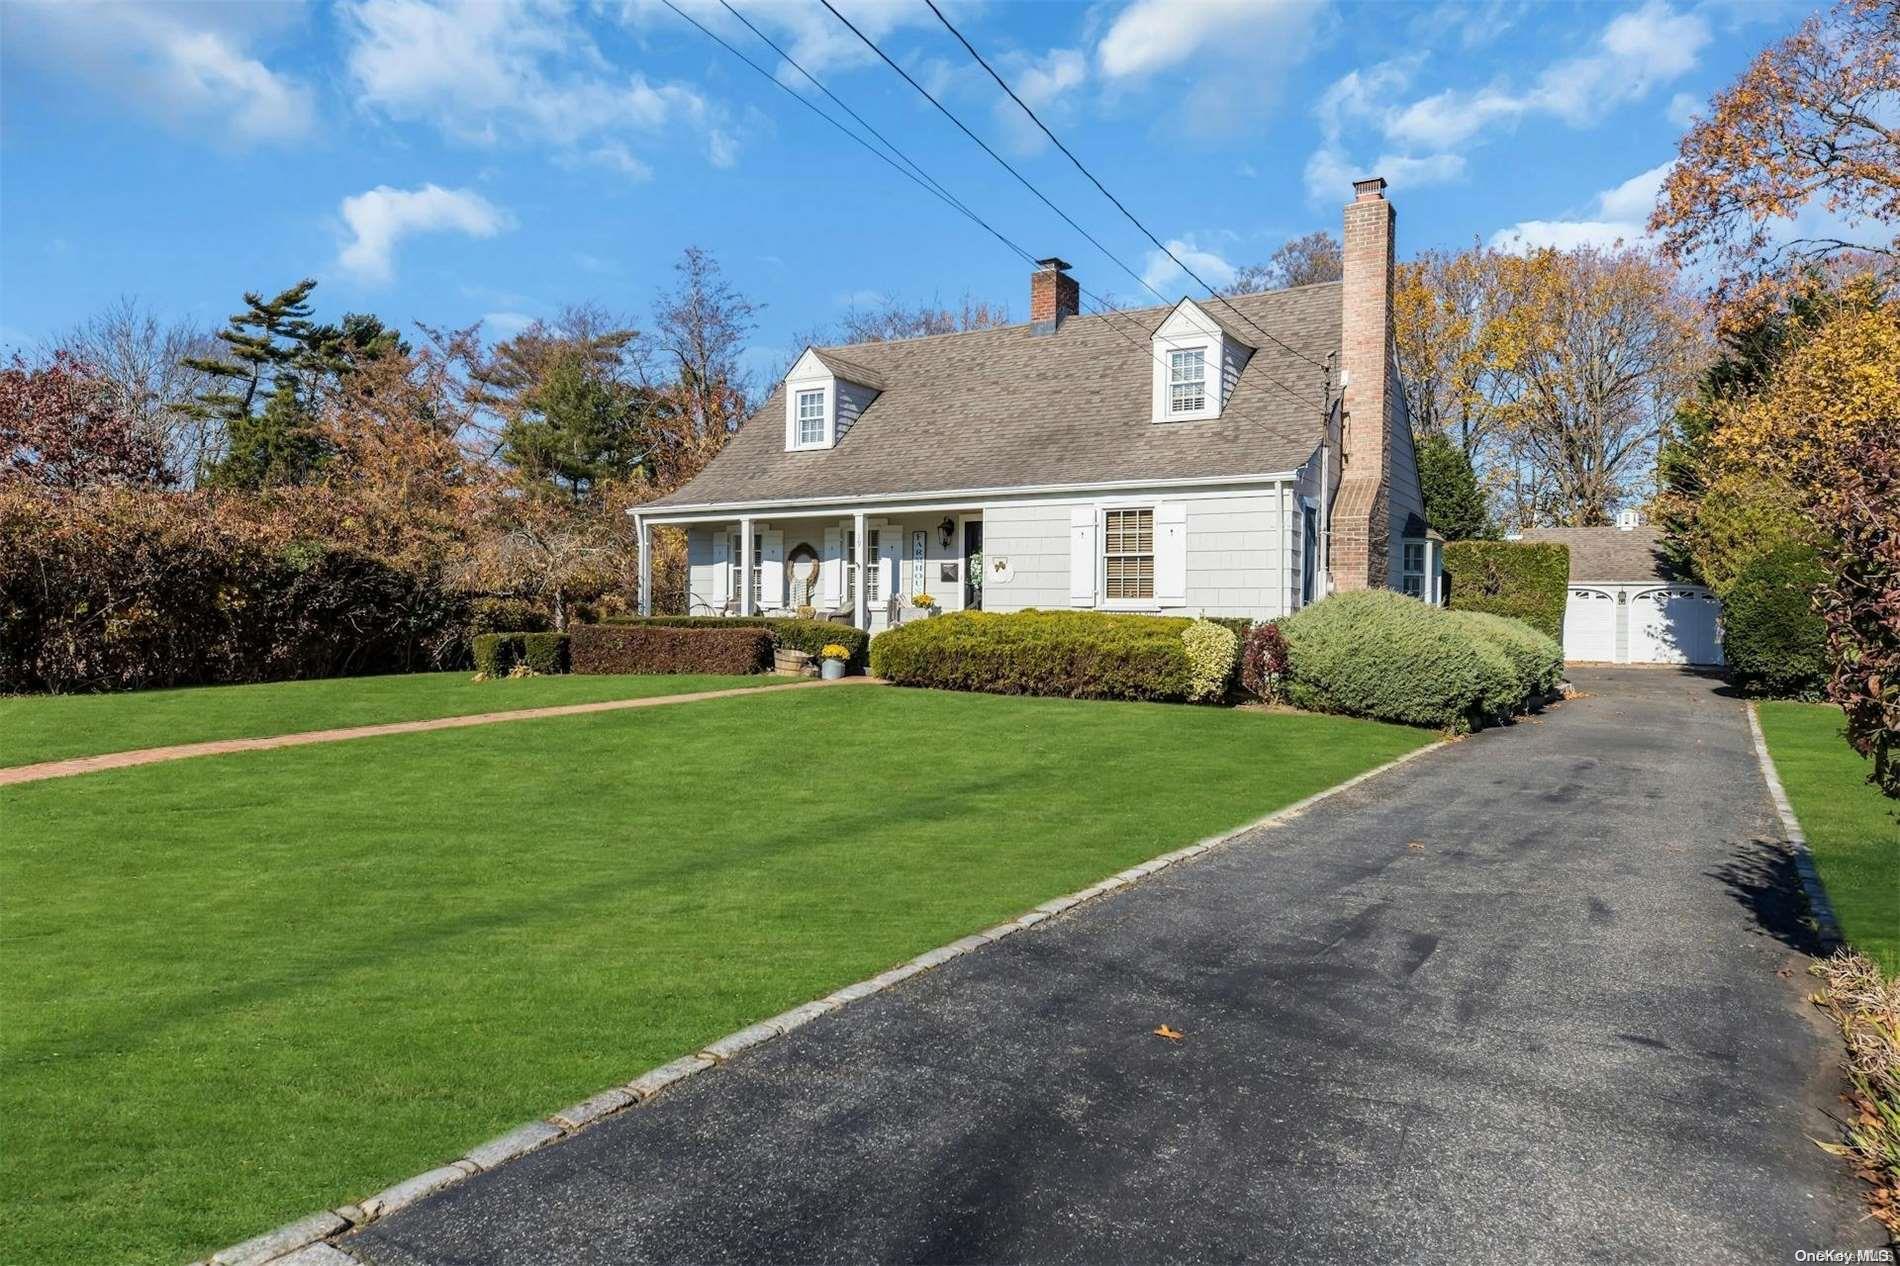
(1053, 295)
(1362, 518)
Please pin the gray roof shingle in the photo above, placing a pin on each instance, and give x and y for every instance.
(1005, 408)
(1606, 553)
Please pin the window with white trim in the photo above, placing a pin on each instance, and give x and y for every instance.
(1413, 580)
(1128, 555)
(1187, 380)
(811, 418)
(851, 569)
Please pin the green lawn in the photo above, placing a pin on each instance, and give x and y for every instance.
(1850, 826)
(243, 988)
(53, 727)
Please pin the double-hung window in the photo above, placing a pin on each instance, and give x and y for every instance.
(851, 570)
(811, 419)
(1128, 555)
(1414, 574)
(1187, 381)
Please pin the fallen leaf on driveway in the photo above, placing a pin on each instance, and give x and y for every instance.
(1417, 846)
(1173, 1035)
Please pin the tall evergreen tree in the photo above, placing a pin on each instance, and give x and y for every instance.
(1454, 503)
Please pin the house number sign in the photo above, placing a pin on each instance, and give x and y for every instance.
(918, 540)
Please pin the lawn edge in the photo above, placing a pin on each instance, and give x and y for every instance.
(1820, 909)
(311, 1240)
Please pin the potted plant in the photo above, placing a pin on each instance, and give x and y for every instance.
(925, 603)
(834, 656)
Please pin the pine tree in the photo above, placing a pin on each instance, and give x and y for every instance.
(1454, 503)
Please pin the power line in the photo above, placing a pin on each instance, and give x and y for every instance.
(1029, 185)
(1070, 155)
(922, 178)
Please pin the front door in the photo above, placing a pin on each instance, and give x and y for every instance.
(973, 564)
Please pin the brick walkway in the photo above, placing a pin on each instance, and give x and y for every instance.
(219, 747)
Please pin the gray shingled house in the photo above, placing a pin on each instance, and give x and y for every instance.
(1180, 460)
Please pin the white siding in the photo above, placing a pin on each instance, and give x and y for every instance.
(1035, 540)
(701, 582)
(1233, 561)
(852, 400)
(1405, 499)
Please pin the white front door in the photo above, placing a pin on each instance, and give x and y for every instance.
(1590, 625)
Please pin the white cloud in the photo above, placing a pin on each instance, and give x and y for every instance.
(1358, 97)
(1636, 52)
(1684, 109)
(1161, 272)
(382, 217)
(492, 71)
(192, 68)
(1619, 214)
(1230, 57)
(505, 325)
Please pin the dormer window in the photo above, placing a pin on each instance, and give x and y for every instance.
(1197, 361)
(1187, 381)
(811, 419)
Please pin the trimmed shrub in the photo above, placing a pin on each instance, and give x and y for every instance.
(497, 654)
(1069, 654)
(1212, 651)
(1263, 662)
(810, 636)
(1525, 580)
(648, 648)
(1382, 655)
(1537, 659)
(1774, 639)
(1239, 625)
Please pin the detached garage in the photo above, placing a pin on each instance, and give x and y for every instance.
(1627, 605)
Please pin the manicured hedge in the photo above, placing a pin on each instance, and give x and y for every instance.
(1774, 639)
(648, 648)
(810, 636)
(1382, 655)
(496, 654)
(507, 615)
(1071, 654)
(1525, 580)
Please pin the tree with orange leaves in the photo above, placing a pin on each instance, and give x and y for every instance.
(1808, 126)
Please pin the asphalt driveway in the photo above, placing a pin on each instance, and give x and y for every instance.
(1535, 996)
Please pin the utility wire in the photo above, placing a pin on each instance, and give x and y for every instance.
(918, 176)
(1029, 185)
(1070, 155)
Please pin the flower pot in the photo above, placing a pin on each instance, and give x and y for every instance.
(833, 669)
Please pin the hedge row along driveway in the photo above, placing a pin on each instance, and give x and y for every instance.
(243, 988)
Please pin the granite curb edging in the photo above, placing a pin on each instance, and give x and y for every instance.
(310, 1241)
(1820, 909)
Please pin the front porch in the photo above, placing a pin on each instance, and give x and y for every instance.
(812, 565)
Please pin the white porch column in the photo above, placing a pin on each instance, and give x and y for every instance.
(745, 566)
(645, 535)
(861, 616)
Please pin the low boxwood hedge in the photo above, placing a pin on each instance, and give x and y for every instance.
(1070, 654)
(1524, 580)
(496, 654)
(810, 636)
(649, 648)
(1382, 655)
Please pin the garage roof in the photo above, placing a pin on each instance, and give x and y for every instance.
(1605, 554)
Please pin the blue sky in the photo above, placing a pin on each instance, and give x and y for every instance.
(449, 161)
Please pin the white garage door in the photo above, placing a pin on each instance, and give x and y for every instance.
(1674, 626)
(1590, 625)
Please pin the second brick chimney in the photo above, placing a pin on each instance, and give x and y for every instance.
(1053, 295)
(1362, 517)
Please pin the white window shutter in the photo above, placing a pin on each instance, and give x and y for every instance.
(888, 544)
(772, 569)
(832, 586)
(1082, 556)
(722, 568)
(1171, 553)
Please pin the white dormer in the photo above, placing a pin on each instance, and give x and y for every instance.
(1196, 365)
(824, 395)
